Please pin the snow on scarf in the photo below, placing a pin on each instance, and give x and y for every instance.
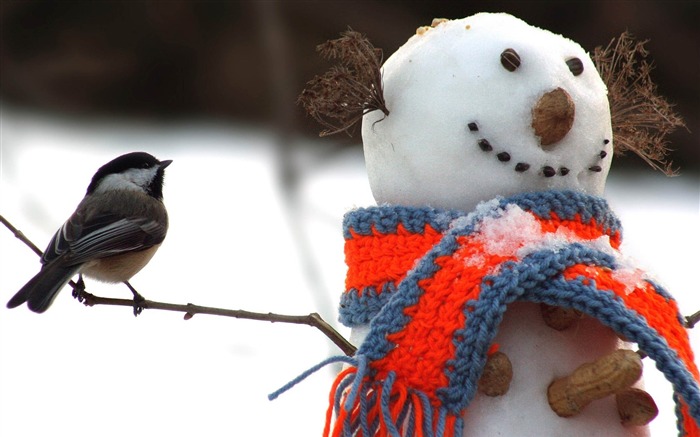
(435, 284)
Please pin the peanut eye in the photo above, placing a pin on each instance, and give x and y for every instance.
(510, 59)
(575, 66)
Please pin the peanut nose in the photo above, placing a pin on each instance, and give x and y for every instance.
(553, 116)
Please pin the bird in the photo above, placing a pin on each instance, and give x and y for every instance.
(113, 233)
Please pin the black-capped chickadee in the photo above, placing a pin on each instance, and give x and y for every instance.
(114, 232)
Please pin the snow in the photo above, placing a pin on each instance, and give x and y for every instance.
(497, 237)
(631, 278)
(100, 371)
(496, 233)
(451, 75)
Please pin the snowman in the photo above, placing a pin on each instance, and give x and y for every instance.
(486, 292)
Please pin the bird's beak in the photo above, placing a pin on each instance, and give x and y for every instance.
(165, 163)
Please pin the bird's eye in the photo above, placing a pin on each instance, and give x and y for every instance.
(510, 59)
(575, 66)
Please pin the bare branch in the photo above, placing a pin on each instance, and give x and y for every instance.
(20, 235)
(190, 310)
(313, 319)
(23, 238)
(692, 320)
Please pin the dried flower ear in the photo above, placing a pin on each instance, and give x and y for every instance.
(641, 119)
(340, 98)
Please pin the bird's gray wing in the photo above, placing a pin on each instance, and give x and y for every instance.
(79, 240)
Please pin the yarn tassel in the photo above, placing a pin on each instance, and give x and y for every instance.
(341, 382)
(340, 359)
(366, 408)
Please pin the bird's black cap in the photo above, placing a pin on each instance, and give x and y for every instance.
(131, 160)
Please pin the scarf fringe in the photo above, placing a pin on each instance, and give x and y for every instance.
(338, 359)
(383, 409)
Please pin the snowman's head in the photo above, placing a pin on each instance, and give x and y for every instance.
(484, 106)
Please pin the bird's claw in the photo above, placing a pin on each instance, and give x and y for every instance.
(79, 289)
(138, 301)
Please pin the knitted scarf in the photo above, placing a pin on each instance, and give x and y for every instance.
(434, 286)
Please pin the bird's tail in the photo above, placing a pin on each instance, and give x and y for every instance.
(42, 289)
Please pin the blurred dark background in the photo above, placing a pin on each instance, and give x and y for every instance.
(247, 61)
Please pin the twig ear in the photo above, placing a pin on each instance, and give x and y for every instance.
(350, 89)
(641, 118)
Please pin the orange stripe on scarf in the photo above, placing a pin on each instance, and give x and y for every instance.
(379, 258)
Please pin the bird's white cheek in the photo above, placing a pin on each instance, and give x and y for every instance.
(132, 179)
(116, 182)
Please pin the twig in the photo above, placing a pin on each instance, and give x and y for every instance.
(23, 238)
(190, 310)
(691, 320)
(20, 235)
(313, 319)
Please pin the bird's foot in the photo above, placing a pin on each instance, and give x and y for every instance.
(138, 300)
(79, 289)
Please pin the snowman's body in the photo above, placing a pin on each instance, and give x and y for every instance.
(464, 97)
(539, 354)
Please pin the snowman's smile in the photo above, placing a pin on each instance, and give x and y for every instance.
(548, 171)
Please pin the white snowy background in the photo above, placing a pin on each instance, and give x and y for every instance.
(99, 371)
